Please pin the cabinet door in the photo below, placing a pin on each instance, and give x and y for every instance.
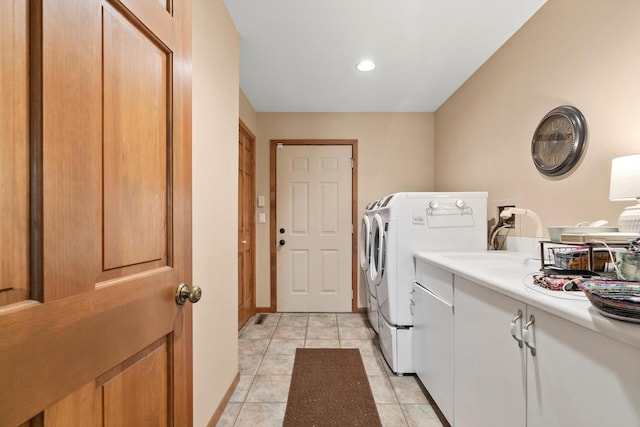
(433, 347)
(489, 366)
(580, 378)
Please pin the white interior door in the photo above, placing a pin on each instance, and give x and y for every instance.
(314, 229)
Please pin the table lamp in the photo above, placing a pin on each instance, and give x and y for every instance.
(625, 185)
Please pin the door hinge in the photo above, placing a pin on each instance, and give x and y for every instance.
(352, 163)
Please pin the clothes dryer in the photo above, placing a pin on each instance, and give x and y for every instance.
(406, 223)
(365, 259)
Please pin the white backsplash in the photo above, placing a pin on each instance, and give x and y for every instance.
(527, 245)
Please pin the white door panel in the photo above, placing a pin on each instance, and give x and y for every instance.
(314, 208)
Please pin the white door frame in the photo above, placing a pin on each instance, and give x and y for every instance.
(354, 209)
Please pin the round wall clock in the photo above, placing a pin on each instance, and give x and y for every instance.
(559, 140)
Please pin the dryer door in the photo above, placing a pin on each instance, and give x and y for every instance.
(376, 266)
(365, 245)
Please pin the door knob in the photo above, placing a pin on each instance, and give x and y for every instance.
(244, 242)
(184, 293)
(282, 242)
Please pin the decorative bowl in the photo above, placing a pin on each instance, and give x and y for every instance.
(612, 298)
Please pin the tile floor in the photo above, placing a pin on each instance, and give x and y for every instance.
(266, 354)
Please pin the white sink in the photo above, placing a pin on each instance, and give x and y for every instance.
(494, 260)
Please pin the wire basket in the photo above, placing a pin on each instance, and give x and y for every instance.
(577, 258)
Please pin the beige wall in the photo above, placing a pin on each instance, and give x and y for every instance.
(215, 205)
(248, 114)
(578, 52)
(395, 153)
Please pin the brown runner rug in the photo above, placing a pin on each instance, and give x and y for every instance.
(329, 387)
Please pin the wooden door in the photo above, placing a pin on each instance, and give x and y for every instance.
(246, 226)
(99, 339)
(314, 222)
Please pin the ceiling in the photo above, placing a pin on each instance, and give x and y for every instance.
(301, 55)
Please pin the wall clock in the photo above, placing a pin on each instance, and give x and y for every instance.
(559, 140)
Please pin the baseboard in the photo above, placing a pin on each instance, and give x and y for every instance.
(361, 310)
(433, 404)
(223, 403)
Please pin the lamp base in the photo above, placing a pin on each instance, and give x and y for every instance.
(629, 220)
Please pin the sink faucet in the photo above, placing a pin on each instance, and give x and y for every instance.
(506, 213)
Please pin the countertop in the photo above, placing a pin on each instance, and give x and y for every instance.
(511, 274)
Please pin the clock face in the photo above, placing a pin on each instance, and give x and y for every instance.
(557, 142)
(554, 141)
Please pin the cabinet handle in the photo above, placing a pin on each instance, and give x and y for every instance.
(515, 327)
(527, 335)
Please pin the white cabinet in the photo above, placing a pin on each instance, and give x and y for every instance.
(489, 366)
(577, 376)
(432, 308)
(433, 347)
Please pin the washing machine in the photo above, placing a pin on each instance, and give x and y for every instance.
(403, 224)
(365, 258)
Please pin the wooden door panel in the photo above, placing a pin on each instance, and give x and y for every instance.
(136, 108)
(158, 19)
(71, 146)
(135, 392)
(139, 395)
(14, 170)
(80, 408)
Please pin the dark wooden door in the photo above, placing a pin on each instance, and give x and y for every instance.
(98, 338)
(246, 226)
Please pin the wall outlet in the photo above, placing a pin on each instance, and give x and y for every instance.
(509, 222)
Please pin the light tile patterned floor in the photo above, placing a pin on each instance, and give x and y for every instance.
(266, 354)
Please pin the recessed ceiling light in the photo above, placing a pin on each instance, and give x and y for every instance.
(366, 65)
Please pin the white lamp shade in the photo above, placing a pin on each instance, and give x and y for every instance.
(625, 178)
(625, 185)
